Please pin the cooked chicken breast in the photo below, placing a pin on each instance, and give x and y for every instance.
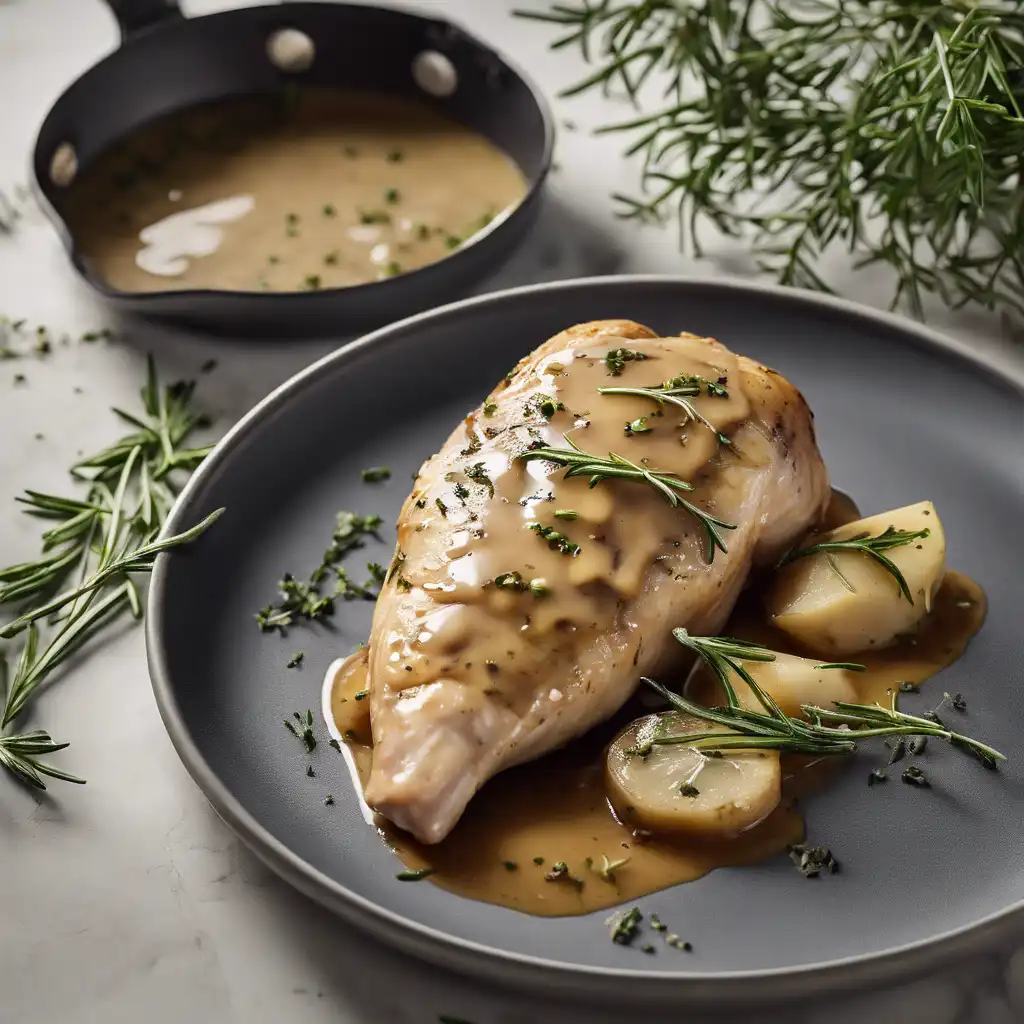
(493, 641)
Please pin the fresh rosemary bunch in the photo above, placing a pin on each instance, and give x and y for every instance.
(825, 732)
(615, 467)
(872, 547)
(889, 128)
(96, 544)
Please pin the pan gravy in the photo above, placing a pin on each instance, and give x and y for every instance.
(293, 192)
(555, 808)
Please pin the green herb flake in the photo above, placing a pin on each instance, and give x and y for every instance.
(624, 927)
(615, 359)
(376, 474)
(329, 210)
(391, 195)
(510, 865)
(810, 861)
(414, 875)
(296, 659)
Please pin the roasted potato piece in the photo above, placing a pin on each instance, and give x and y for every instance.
(840, 602)
(677, 788)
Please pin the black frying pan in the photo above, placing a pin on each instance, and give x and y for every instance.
(167, 62)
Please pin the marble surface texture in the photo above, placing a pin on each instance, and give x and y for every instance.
(129, 900)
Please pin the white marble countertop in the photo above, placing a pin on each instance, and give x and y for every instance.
(129, 900)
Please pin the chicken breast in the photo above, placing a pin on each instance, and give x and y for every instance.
(522, 607)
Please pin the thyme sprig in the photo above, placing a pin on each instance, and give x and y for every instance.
(93, 547)
(892, 130)
(678, 391)
(873, 547)
(825, 731)
(615, 467)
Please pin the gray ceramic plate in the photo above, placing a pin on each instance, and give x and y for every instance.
(902, 415)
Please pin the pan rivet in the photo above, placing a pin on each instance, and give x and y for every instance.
(434, 73)
(63, 165)
(290, 50)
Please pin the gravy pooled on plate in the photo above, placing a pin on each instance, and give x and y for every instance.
(555, 810)
(283, 193)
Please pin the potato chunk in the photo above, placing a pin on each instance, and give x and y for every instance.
(789, 680)
(814, 603)
(676, 788)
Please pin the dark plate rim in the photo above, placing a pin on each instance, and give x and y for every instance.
(733, 987)
(464, 252)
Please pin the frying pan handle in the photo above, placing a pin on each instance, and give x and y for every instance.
(134, 16)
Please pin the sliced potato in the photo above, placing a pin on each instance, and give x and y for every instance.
(811, 602)
(678, 789)
(789, 680)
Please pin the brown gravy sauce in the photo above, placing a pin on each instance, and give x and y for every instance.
(289, 192)
(555, 809)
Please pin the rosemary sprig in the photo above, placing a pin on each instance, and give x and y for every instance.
(678, 391)
(615, 467)
(831, 115)
(93, 547)
(873, 547)
(825, 732)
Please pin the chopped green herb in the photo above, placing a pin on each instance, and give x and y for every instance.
(810, 861)
(560, 872)
(310, 772)
(329, 210)
(396, 156)
(656, 924)
(510, 581)
(913, 776)
(376, 474)
(616, 359)
(625, 926)
(296, 659)
(414, 875)
(351, 152)
(478, 474)
(452, 241)
(334, 743)
(328, 800)
(312, 282)
(548, 407)
(331, 258)
(302, 728)
(555, 540)
(441, 507)
(538, 861)
(209, 366)
(539, 588)
(391, 195)
(850, 666)
(510, 865)
(361, 695)
(490, 408)
(648, 949)
(687, 789)
(637, 426)
(273, 260)
(374, 217)
(566, 513)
